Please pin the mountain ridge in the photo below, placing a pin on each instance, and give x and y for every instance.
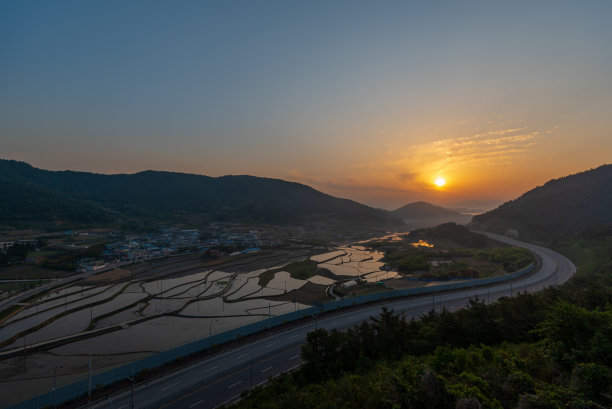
(561, 208)
(37, 194)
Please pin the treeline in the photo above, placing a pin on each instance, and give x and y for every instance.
(67, 259)
(552, 349)
(408, 259)
(452, 232)
(17, 253)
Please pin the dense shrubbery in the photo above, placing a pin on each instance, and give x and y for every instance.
(17, 253)
(67, 259)
(407, 260)
(451, 232)
(552, 349)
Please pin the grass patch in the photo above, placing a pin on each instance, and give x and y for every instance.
(300, 270)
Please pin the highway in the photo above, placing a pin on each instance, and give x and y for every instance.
(220, 379)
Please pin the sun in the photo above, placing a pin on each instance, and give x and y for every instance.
(440, 182)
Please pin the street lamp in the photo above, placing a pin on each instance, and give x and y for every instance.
(55, 385)
(133, 380)
(210, 331)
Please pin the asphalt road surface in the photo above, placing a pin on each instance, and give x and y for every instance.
(220, 379)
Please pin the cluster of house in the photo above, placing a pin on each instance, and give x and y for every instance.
(5, 245)
(171, 242)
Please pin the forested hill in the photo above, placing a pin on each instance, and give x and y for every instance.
(559, 209)
(423, 210)
(31, 194)
(423, 214)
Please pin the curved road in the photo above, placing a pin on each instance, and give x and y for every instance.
(221, 379)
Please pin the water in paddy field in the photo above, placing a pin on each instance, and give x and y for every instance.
(354, 261)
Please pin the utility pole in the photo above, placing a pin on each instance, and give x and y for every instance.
(89, 389)
(24, 353)
(55, 385)
(132, 378)
(210, 333)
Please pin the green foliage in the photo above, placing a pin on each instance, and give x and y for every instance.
(592, 380)
(473, 377)
(15, 254)
(509, 258)
(573, 334)
(407, 260)
(67, 259)
(460, 235)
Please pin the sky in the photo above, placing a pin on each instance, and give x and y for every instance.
(371, 101)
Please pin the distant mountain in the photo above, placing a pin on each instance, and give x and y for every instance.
(563, 207)
(423, 214)
(422, 210)
(35, 195)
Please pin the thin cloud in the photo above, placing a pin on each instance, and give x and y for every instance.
(407, 176)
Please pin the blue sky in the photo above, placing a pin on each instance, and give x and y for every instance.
(366, 100)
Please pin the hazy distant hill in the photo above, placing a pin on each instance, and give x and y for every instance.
(31, 194)
(562, 207)
(423, 214)
(422, 210)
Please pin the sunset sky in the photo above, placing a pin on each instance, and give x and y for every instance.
(365, 100)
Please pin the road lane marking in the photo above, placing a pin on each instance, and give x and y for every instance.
(210, 369)
(270, 345)
(294, 336)
(230, 400)
(267, 369)
(242, 356)
(196, 404)
(234, 384)
(295, 356)
(170, 386)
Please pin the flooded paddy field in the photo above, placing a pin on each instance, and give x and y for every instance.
(163, 304)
